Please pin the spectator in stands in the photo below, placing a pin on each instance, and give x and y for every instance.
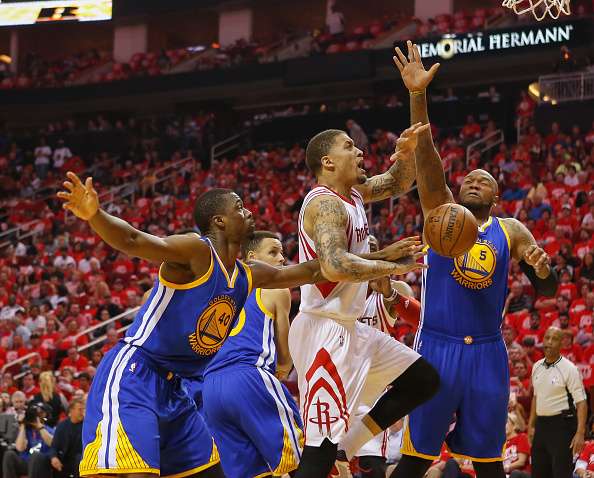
(66, 450)
(61, 154)
(84, 383)
(111, 340)
(334, 20)
(19, 404)
(516, 461)
(75, 360)
(8, 311)
(50, 396)
(357, 135)
(42, 158)
(29, 387)
(517, 300)
(33, 443)
(471, 130)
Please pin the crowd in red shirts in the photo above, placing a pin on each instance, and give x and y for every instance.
(63, 281)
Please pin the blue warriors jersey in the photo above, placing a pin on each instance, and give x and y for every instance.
(251, 342)
(460, 336)
(182, 326)
(466, 295)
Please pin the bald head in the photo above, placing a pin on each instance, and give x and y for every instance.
(481, 173)
(552, 344)
(479, 193)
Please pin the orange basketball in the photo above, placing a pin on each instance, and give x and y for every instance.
(450, 230)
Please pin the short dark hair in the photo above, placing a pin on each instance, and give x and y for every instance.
(253, 242)
(84, 375)
(318, 147)
(209, 204)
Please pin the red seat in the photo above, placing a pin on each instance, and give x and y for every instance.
(334, 48)
(375, 29)
(352, 46)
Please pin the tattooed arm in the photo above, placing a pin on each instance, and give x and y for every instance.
(325, 222)
(433, 189)
(401, 175)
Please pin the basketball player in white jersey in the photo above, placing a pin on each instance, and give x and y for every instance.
(340, 361)
(387, 300)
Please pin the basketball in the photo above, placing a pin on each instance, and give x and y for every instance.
(450, 230)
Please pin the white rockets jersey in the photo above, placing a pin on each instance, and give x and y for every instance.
(376, 314)
(336, 300)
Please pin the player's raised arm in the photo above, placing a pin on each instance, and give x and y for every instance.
(82, 200)
(401, 175)
(433, 190)
(533, 260)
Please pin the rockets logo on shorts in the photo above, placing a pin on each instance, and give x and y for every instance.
(322, 417)
(213, 326)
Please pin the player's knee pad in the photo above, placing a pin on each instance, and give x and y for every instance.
(317, 461)
(493, 469)
(411, 467)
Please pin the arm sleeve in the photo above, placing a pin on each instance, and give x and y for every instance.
(547, 287)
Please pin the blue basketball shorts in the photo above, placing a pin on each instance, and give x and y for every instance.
(254, 420)
(139, 419)
(473, 398)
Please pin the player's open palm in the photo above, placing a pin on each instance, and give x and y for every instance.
(414, 74)
(403, 248)
(408, 140)
(81, 199)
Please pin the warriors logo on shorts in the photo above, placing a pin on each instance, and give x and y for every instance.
(213, 326)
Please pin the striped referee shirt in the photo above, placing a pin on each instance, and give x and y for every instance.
(552, 382)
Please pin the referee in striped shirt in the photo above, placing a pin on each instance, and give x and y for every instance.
(559, 411)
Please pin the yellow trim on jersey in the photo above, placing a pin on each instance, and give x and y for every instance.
(248, 273)
(478, 460)
(268, 473)
(505, 231)
(261, 304)
(408, 448)
(239, 325)
(213, 460)
(484, 227)
(288, 461)
(189, 285)
(230, 281)
(426, 248)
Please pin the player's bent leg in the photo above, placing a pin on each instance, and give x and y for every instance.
(411, 467)
(121, 429)
(418, 383)
(489, 470)
(317, 461)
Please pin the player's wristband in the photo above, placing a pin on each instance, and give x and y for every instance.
(416, 93)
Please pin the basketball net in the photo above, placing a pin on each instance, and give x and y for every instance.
(539, 8)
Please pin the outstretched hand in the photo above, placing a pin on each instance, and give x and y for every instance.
(407, 142)
(413, 73)
(402, 248)
(81, 199)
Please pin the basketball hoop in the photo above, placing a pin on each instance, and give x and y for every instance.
(539, 8)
